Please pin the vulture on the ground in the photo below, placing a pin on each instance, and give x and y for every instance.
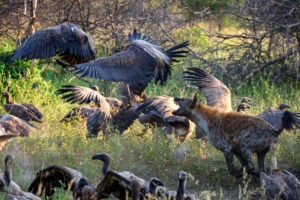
(119, 183)
(14, 192)
(55, 176)
(280, 184)
(137, 66)
(180, 193)
(15, 125)
(158, 111)
(273, 117)
(215, 91)
(71, 43)
(25, 111)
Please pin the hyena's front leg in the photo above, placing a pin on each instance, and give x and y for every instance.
(230, 163)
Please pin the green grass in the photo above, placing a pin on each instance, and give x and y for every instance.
(151, 155)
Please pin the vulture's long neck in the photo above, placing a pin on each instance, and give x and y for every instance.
(7, 174)
(180, 190)
(7, 98)
(105, 167)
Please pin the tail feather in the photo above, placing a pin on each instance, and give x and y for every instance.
(289, 120)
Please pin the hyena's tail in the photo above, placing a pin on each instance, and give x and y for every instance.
(289, 121)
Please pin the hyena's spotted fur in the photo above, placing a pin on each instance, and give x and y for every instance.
(234, 133)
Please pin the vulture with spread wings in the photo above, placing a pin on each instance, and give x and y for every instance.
(162, 107)
(136, 66)
(71, 43)
(52, 177)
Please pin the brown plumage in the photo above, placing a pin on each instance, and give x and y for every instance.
(46, 180)
(15, 125)
(5, 138)
(70, 42)
(280, 184)
(234, 133)
(119, 183)
(163, 106)
(25, 111)
(136, 66)
(14, 192)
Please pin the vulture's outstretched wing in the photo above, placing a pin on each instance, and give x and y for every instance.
(164, 105)
(73, 44)
(118, 184)
(217, 94)
(54, 177)
(80, 94)
(136, 66)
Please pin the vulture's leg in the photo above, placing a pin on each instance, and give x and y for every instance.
(273, 159)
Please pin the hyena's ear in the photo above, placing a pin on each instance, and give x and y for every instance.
(194, 102)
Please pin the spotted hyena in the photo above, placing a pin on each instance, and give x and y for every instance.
(234, 133)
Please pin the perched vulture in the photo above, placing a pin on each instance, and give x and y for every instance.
(71, 43)
(119, 183)
(55, 177)
(180, 193)
(273, 117)
(215, 91)
(25, 111)
(14, 192)
(241, 107)
(15, 125)
(163, 106)
(280, 184)
(137, 66)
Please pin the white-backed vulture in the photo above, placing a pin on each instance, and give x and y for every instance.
(273, 117)
(15, 125)
(137, 66)
(163, 106)
(25, 111)
(14, 192)
(70, 42)
(119, 183)
(280, 184)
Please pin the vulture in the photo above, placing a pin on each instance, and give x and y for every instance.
(137, 66)
(215, 91)
(25, 111)
(67, 40)
(180, 193)
(14, 192)
(80, 94)
(119, 183)
(55, 176)
(158, 111)
(5, 138)
(273, 117)
(15, 125)
(241, 107)
(280, 184)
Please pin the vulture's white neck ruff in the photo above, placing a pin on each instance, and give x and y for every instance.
(153, 50)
